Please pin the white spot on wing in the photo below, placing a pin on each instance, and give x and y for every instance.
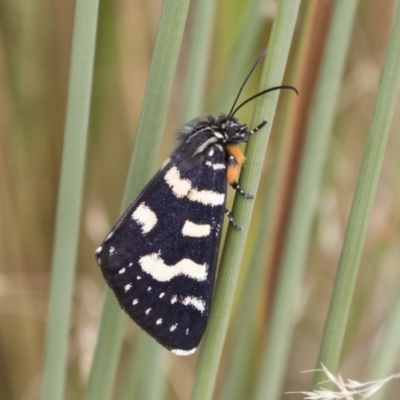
(111, 250)
(127, 287)
(162, 295)
(216, 166)
(148, 311)
(195, 230)
(197, 303)
(138, 278)
(122, 270)
(183, 187)
(180, 187)
(134, 302)
(154, 265)
(159, 321)
(130, 264)
(149, 288)
(207, 197)
(173, 327)
(144, 216)
(187, 331)
(211, 153)
(179, 352)
(174, 299)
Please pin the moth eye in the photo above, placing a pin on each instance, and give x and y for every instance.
(231, 131)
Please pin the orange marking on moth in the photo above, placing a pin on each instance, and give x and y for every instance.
(232, 172)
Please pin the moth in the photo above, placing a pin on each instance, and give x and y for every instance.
(160, 258)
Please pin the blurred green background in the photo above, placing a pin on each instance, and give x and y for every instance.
(35, 46)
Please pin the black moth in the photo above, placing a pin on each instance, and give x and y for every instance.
(160, 258)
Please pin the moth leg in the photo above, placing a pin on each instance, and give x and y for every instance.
(246, 195)
(232, 220)
(258, 127)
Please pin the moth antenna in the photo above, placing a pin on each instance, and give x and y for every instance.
(247, 78)
(261, 94)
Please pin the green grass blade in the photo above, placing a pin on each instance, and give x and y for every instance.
(279, 341)
(242, 364)
(70, 199)
(157, 96)
(234, 246)
(388, 350)
(200, 44)
(251, 27)
(109, 341)
(151, 355)
(134, 385)
(362, 203)
(142, 166)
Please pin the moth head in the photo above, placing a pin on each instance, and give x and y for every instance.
(197, 136)
(230, 130)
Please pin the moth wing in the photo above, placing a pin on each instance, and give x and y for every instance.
(160, 258)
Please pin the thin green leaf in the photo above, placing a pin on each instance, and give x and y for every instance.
(234, 246)
(362, 204)
(70, 199)
(247, 35)
(387, 352)
(242, 366)
(142, 166)
(295, 250)
(200, 44)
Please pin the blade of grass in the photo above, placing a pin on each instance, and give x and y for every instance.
(295, 250)
(361, 208)
(273, 71)
(135, 375)
(242, 49)
(150, 355)
(200, 44)
(69, 199)
(388, 351)
(142, 166)
(135, 382)
(242, 366)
